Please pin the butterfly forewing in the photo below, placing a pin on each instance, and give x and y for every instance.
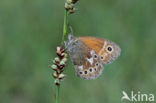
(107, 51)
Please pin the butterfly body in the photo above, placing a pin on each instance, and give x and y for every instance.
(90, 54)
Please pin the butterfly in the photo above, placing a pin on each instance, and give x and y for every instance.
(90, 54)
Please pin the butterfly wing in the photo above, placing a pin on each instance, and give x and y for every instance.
(85, 60)
(107, 51)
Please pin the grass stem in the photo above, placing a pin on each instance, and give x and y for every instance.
(63, 39)
(65, 26)
(57, 93)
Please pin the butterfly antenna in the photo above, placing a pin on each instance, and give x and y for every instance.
(71, 30)
(66, 46)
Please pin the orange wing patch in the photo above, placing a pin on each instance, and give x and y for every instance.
(94, 43)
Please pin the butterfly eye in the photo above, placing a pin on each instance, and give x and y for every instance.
(85, 72)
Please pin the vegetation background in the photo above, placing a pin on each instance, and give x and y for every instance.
(30, 30)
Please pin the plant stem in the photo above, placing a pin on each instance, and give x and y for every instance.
(65, 25)
(63, 36)
(57, 93)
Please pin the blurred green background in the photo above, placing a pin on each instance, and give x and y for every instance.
(30, 30)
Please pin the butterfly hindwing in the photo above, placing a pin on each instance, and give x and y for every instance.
(90, 69)
(85, 60)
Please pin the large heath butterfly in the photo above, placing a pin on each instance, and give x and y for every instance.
(90, 54)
